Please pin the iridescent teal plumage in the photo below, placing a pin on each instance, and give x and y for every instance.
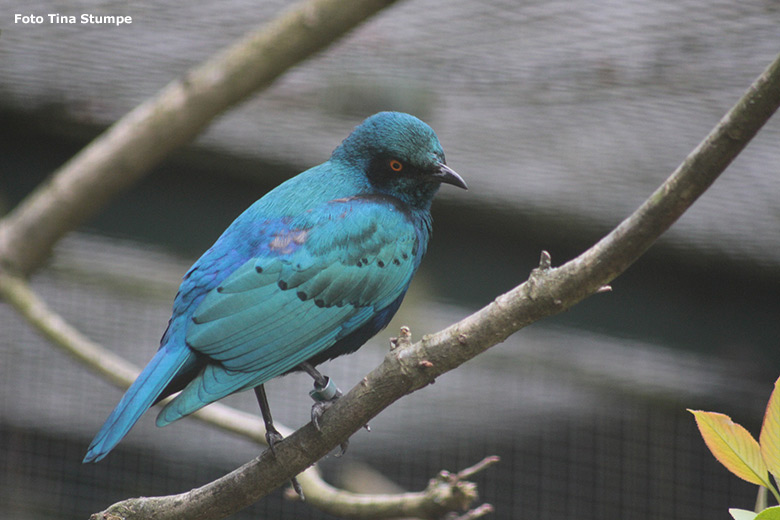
(309, 272)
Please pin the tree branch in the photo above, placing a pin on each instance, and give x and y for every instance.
(129, 148)
(548, 291)
(445, 493)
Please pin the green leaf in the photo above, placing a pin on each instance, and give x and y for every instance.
(770, 433)
(733, 446)
(771, 513)
(741, 514)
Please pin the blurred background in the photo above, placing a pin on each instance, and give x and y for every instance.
(561, 116)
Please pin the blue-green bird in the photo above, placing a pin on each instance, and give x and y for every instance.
(307, 273)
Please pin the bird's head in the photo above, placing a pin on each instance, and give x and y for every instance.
(399, 155)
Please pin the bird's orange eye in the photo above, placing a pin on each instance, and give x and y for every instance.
(396, 165)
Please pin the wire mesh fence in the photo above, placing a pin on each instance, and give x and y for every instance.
(562, 117)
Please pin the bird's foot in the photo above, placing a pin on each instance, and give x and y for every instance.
(272, 438)
(343, 447)
(325, 394)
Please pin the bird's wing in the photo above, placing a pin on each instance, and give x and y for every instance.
(308, 287)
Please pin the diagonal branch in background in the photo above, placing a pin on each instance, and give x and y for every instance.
(130, 147)
(548, 291)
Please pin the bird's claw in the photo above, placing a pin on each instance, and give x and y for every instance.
(297, 488)
(318, 409)
(324, 395)
(344, 445)
(316, 412)
(272, 437)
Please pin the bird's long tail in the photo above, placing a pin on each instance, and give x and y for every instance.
(139, 397)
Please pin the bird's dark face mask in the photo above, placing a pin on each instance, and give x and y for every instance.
(411, 182)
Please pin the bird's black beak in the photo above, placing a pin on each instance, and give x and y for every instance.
(447, 175)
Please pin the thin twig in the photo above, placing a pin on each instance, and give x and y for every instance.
(447, 492)
(477, 512)
(479, 466)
